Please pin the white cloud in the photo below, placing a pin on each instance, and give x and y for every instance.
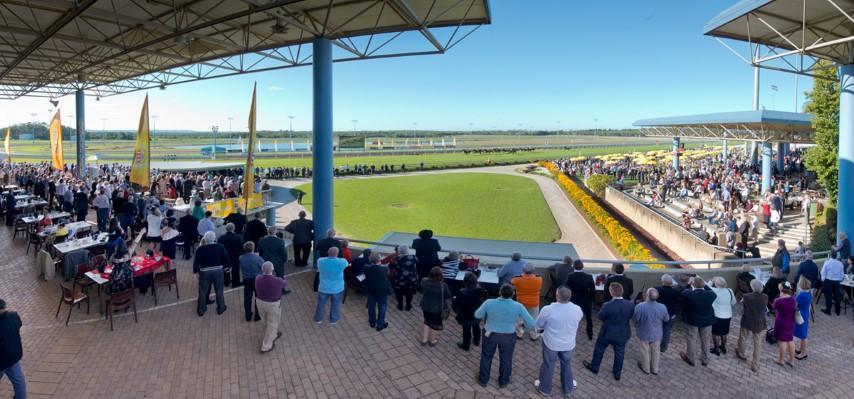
(276, 88)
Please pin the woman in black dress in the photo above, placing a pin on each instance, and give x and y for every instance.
(405, 277)
(427, 251)
(465, 303)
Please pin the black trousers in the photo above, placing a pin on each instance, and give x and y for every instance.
(248, 296)
(301, 252)
(832, 295)
(400, 294)
(471, 333)
(586, 308)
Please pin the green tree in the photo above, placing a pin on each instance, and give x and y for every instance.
(823, 104)
(597, 183)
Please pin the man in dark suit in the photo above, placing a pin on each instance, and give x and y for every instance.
(255, 229)
(617, 276)
(699, 315)
(239, 220)
(616, 330)
(187, 227)
(303, 231)
(322, 246)
(233, 244)
(377, 287)
(273, 249)
(671, 299)
(583, 288)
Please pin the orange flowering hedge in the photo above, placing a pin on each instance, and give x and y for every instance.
(623, 241)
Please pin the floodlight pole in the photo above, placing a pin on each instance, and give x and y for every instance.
(80, 106)
(322, 120)
(845, 213)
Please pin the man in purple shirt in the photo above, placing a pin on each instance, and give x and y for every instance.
(268, 296)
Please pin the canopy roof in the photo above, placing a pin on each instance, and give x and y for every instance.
(761, 125)
(821, 29)
(52, 47)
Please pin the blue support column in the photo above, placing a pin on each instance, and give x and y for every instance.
(80, 105)
(753, 152)
(322, 157)
(766, 167)
(271, 217)
(781, 156)
(676, 142)
(845, 212)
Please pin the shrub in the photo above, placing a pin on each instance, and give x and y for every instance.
(597, 183)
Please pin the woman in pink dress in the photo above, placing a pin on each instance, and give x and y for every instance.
(784, 324)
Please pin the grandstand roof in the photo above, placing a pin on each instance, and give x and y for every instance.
(51, 48)
(794, 33)
(760, 125)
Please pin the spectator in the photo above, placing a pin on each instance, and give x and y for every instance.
(617, 276)
(742, 280)
(803, 301)
(784, 323)
(724, 301)
(615, 331)
(555, 276)
(250, 265)
(699, 314)
(832, 274)
(238, 219)
(322, 246)
(808, 269)
(303, 234)
(435, 299)
(583, 290)
(255, 229)
(377, 288)
(273, 249)
(11, 350)
(427, 251)
(208, 263)
(500, 315)
(330, 270)
(154, 222)
(405, 277)
(451, 266)
(102, 208)
(844, 246)
(187, 227)
(198, 211)
(752, 324)
(649, 318)
(781, 258)
(528, 294)
(559, 323)
(466, 302)
(511, 269)
(268, 296)
(233, 244)
(206, 224)
(671, 299)
(169, 235)
(772, 286)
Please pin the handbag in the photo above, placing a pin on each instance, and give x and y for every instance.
(446, 310)
(799, 318)
(469, 262)
(770, 336)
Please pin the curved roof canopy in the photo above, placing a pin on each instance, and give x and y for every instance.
(788, 29)
(53, 47)
(761, 125)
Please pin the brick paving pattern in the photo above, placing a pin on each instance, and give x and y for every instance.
(172, 353)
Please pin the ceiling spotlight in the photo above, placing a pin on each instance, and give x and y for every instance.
(280, 26)
(54, 102)
(162, 86)
(97, 98)
(182, 39)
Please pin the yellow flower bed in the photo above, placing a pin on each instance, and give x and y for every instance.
(625, 242)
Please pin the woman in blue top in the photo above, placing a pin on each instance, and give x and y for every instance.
(803, 301)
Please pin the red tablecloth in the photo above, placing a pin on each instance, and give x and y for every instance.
(141, 265)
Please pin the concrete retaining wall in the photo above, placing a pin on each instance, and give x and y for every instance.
(681, 242)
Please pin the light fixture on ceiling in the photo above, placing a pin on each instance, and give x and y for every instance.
(182, 39)
(162, 86)
(97, 98)
(280, 27)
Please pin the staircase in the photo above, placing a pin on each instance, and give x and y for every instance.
(791, 228)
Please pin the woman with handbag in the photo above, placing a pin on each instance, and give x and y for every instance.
(802, 323)
(722, 305)
(465, 303)
(435, 304)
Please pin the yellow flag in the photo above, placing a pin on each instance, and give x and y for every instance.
(8, 145)
(55, 132)
(140, 171)
(249, 169)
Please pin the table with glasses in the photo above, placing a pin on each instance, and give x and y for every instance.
(487, 276)
(30, 204)
(140, 265)
(81, 243)
(38, 218)
(73, 228)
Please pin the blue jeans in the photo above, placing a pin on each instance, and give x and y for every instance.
(602, 343)
(377, 306)
(103, 214)
(548, 366)
(16, 375)
(505, 343)
(333, 308)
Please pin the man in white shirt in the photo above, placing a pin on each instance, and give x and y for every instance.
(102, 206)
(559, 323)
(832, 274)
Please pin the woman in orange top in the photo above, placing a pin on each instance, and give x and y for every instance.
(528, 294)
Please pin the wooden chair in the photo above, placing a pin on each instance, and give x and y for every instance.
(80, 279)
(165, 279)
(71, 298)
(121, 300)
(20, 227)
(36, 241)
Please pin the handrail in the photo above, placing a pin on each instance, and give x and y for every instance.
(741, 261)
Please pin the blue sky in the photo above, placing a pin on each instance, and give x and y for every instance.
(603, 63)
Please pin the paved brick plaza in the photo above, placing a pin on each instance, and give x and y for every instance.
(172, 353)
